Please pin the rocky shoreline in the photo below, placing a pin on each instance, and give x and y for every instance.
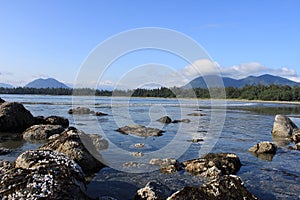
(60, 168)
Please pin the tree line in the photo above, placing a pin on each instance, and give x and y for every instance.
(248, 92)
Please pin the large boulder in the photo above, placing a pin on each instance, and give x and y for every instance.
(140, 130)
(14, 117)
(224, 187)
(41, 132)
(283, 126)
(56, 120)
(154, 190)
(41, 175)
(214, 165)
(79, 147)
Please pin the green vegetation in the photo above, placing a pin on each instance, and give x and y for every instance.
(249, 92)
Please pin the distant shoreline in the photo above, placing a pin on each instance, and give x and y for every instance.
(181, 98)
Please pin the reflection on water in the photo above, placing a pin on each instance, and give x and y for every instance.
(246, 124)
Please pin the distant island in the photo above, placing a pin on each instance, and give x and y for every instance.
(265, 87)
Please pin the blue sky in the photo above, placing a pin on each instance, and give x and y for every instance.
(52, 38)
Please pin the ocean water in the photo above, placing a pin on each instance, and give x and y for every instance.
(225, 126)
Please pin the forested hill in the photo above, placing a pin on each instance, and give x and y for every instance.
(265, 79)
(250, 92)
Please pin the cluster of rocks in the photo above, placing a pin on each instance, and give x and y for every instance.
(56, 170)
(283, 129)
(60, 167)
(219, 169)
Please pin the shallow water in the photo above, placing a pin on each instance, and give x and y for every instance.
(246, 123)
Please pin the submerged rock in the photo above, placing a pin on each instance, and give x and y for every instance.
(283, 126)
(139, 145)
(98, 141)
(42, 175)
(214, 165)
(4, 151)
(41, 132)
(80, 111)
(137, 154)
(100, 114)
(196, 140)
(14, 117)
(196, 114)
(181, 120)
(154, 190)
(224, 187)
(56, 120)
(140, 130)
(79, 147)
(165, 120)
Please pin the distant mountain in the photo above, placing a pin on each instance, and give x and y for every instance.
(4, 85)
(265, 79)
(46, 83)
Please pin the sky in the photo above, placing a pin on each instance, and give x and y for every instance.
(54, 38)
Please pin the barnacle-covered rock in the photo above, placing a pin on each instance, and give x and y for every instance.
(41, 174)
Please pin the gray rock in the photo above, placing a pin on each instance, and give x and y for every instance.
(167, 165)
(4, 151)
(196, 114)
(14, 117)
(214, 165)
(80, 111)
(100, 114)
(181, 120)
(42, 175)
(296, 136)
(79, 147)
(196, 140)
(154, 190)
(264, 147)
(283, 126)
(137, 154)
(41, 132)
(98, 141)
(165, 120)
(140, 130)
(224, 187)
(56, 120)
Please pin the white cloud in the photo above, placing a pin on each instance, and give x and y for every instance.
(200, 68)
(256, 69)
